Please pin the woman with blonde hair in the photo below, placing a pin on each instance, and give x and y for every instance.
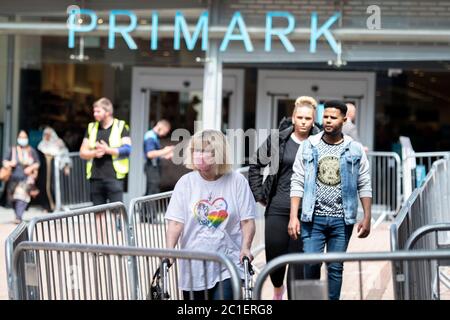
(211, 209)
(281, 149)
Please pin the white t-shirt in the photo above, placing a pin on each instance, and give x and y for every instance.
(211, 212)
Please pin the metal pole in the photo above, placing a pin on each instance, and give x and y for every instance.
(7, 140)
(212, 78)
(57, 185)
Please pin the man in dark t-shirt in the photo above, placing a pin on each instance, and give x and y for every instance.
(106, 146)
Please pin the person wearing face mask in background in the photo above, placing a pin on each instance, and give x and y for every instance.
(24, 162)
(212, 209)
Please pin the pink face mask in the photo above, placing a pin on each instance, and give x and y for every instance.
(203, 161)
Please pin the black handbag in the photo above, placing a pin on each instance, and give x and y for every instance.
(156, 292)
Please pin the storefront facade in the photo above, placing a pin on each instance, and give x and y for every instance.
(391, 59)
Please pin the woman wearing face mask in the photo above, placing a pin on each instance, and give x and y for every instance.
(24, 162)
(274, 193)
(52, 146)
(211, 209)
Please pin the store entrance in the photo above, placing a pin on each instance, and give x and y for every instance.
(277, 91)
(175, 94)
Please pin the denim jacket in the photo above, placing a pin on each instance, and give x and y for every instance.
(355, 177)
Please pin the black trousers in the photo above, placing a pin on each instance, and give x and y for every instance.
(153, 175)
(278, 242)
(104, 190)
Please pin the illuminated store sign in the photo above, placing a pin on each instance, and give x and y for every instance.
(235, 31)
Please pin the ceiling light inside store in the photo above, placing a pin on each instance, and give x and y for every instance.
(100, 21)
(80, 21)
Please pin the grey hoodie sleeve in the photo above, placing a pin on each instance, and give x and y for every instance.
(298, 175)
(364, 183)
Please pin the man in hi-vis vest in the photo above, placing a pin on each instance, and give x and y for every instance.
(106, 147)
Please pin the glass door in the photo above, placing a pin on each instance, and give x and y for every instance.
(174, 94)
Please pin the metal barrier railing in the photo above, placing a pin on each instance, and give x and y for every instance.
(420, 239)
(386, 172)
(428, 204)
(72, 190)
(103, 224)
(19, 234)
(405, 257)
(148, 230)
(428, 158)
(85, 272)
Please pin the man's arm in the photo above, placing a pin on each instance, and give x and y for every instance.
(248, 232)
(159, 153)
(364, 225)
(86, 153)
(365, 194)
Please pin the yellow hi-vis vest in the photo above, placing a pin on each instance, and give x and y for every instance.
(122, 165)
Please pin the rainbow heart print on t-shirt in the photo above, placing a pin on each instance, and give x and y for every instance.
(211, 214)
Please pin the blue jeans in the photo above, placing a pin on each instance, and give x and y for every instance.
(215, 293)
(335, 234)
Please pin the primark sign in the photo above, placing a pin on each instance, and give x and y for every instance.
(235, 31)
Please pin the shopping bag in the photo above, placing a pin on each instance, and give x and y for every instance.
(5, 173)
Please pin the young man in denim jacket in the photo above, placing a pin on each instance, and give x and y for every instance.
(330, 171)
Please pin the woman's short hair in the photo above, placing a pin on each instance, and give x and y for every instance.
(214, 141)
(305, 101)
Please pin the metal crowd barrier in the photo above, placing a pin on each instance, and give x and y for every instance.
(84, 272)
(428, 238)
(428, 204)
(148, 230)
(72, 190)
(104, 224)
(386, 171)
(19, 234)
(428, 158)
(361, 280)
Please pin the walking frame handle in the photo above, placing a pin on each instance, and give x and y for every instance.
(248, 266)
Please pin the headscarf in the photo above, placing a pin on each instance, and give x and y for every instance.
(54, 147)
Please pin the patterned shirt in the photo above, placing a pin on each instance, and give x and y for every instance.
(328, 182)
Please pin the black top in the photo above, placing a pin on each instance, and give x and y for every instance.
(102, 168)
(281, 201)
